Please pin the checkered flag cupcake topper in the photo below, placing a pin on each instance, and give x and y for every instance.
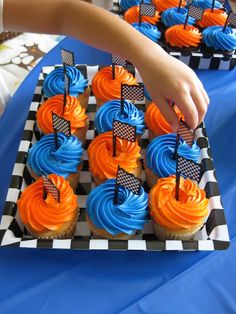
(117, 60)
(146, 10)
(60, 124)
(66, 88)
(49, 187)
(128, 181)
(231, 20)
(67, 58)
(186, 133)
(132, 92)
(194, 12)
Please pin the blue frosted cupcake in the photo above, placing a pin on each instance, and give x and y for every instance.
(111, 110)
(54, 84)
(159, 159)
(66, 161)
(116, 221)
(173, 16)
(206, 4)
(149, 30)
(126, 4)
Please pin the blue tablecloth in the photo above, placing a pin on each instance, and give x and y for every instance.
(60, 281)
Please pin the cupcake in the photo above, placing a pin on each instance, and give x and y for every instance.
(179, 37)
(177, 219)
(126, 4)
(132, 16)
(104, 166)
(162, 5)
(217, 17)
(105, 88)
(159, 160)
(156, 123)
(149, 30)
(218, 40)
(48, 218)
(175, 16)
(206, 4)
(54, 84)
(72, 112)
(111, 110)
(116, 221)
(66, 160)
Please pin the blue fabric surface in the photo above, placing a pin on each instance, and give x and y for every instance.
(59, 281)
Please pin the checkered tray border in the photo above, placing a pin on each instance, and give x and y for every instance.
(213, 236)
(195, 59)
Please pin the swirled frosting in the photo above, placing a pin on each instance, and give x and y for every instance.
(44, 215)
(216, 38)
(72, 112)
(127, 216)
(188, 212)
(54, 82)
(177, 36)
(132, 16)
(217, 17)
(112, 110)
(206, 4)
(126, 4)
(162, 5)
(155, 120)
(160, 154)
(101, 161)
(149, 30)
(173, 16)
(45, 158)
(105, 88)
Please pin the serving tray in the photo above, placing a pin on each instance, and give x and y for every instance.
(213, 235)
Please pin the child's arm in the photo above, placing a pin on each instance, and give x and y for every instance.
(165, 77)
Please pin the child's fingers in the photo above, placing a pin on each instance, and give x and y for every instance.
(200, 104)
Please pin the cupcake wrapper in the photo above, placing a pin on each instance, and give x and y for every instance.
(83, 98)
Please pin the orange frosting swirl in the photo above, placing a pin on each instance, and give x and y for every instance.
(43, 215)
(132, 16)
(105, 88)
(162, 5)
(188, 212)
(177, 36)
(72, 112)
(101, 161)
(155, 120)
(217, 17)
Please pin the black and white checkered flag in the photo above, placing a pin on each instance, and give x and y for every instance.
(132, 92)
(128, 181)
(119, 61)
(147, 9)
(61, 125)
(124, 131)
(189, 168)
(186, 133)
(67, 57)
(195, 12)
(49, 187)
(232, 19)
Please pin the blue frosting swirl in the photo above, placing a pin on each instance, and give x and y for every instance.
(206, 4)
(126, 4)
(146, 94)
(54, 82)
(44, 158)
(127, 216)
(112, 110)
(160, 153)
(149, 30)
(214, 37)
(171, 17)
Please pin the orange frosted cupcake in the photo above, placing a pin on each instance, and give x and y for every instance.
(156, 123)
(72, 112)
(217, 17)
(47, 218)
(132, 16)
(162, 5)
(102, 163)
(177, 36)
(177, 219)
(105, 88)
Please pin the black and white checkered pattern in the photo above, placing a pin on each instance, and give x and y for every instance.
(213, 236)
(186, 133)
(232, 19)
(51, 188)
(132, 92)
(61, 125)
(124, 131)
(189, 168)
(119, 61)
(67, 57)
(128, 181)
(195, 12)
(147, 9)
